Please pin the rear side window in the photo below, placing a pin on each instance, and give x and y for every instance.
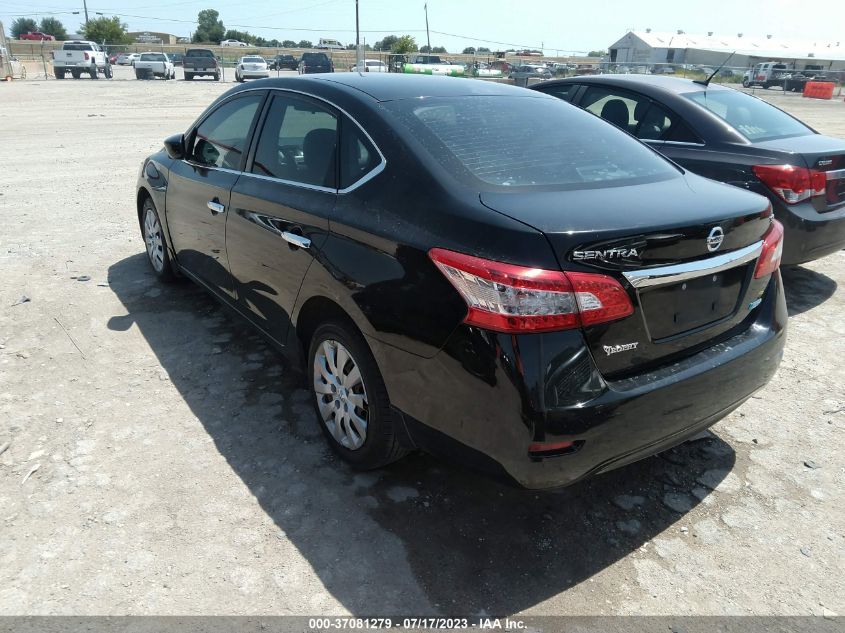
(527, 142)
(357, 154)
(78, 47)
(298, 143)
(755, 119)
(221, 139)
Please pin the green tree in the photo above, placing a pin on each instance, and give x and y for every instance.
(596, 53)
(54, 28)
(469, 50)
(288, 44)
(405, 44)
(304, 44)
(439, 49)
(110, 30)
(483, 49)
(274, 43)
(209, 27)
(241, 36)
(22, 26)
(387, 43)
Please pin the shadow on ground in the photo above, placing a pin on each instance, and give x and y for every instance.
(467, 543)
(805, 289)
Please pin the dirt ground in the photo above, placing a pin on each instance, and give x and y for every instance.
(158, 458)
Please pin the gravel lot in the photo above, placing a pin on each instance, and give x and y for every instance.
(161, 459)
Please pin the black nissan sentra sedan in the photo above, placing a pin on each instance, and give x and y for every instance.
(471, 269)
(732, 137)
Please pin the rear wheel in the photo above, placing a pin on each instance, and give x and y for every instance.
(155, 242)
(59, 72)
(76, 74)
(92, 72)
(350, 398)
(189, 77)
(107, 71)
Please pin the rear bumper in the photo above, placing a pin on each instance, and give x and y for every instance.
(808, 234)
(486, 397)
(254, 74)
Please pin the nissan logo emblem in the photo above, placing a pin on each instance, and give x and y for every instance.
(715, 239)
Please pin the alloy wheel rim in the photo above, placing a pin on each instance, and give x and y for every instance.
(341, 394)
(153, 239)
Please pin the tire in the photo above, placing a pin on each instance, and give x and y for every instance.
(93, 72)
(138, 75)
(155, 242)
(60, 74)
(189, 76)
(75, 74)
(372, 441)
(108, 72)
(216, 76)
(745, 83)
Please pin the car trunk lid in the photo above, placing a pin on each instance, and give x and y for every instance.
(684, 249)
(821, 153)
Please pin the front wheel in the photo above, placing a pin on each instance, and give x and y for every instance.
(93, 72)
(745, 83)
(155, 242)
(217, 77)
(351, 399)
(107, 71)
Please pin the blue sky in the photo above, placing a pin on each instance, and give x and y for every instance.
(556, 25)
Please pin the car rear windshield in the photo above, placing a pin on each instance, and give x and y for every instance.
(318, 58)
(532, 142)
(77, 47)
(755, 119)
(253, 60)
(198, 52)
(153, 57)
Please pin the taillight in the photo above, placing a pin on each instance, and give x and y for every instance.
(510, 298)
(792, 183)
(769, 260)
(86, 57)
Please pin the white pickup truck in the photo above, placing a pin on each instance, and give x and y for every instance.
(77, 57)
(150, 65)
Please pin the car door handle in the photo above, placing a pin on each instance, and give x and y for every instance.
(215, 206)
(296, 240)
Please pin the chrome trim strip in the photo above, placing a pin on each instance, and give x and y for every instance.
(836, 174)
(690, 270)
(375, 171)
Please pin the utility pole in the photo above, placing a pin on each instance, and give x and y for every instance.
(358, 52)
(427, 36)
(85, 6)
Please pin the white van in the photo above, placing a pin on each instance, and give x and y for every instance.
(330, 44)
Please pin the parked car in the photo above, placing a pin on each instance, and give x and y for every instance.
(727, 135)
(152, 64)
(311, 63)
(251, 67)
(37, 36)
(234, 43)
(201, 62)
(529, 71)
(423, 273)
(77, 57)
(176, 58)
(283, 62)
(113, 58)
(370, 66)
(127, 59)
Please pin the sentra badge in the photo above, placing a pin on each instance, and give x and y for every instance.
(615, 349)
(610, 253)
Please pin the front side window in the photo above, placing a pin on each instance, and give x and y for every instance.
(221, 139)
(755, 119)
(298, 143)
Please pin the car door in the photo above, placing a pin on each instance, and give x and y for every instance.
(280, 207)
(199, 189)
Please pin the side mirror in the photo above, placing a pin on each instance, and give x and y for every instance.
(175, 146)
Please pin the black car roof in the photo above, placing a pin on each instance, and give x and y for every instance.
(397, 86)
(654, 83)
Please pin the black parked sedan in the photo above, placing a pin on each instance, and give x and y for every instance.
(472, 269)
(735, 138)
